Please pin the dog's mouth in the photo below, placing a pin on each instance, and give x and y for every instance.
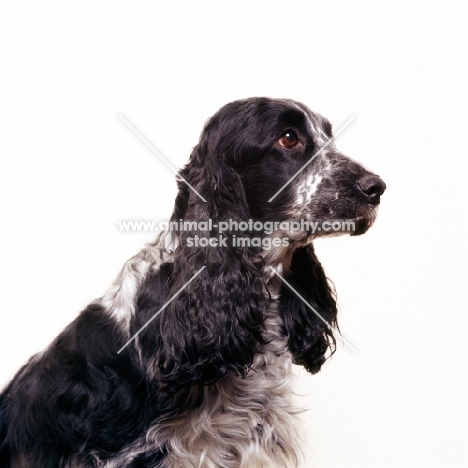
(371, 188)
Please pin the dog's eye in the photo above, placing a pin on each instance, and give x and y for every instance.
(288, 139)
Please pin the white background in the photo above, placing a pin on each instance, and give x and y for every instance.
(70, 169)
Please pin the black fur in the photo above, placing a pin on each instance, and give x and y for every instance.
(78, 396)
(309, 337)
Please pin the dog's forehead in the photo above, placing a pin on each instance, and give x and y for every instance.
(269, 115)
(316, 123)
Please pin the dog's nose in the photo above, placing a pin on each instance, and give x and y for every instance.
(372, 187)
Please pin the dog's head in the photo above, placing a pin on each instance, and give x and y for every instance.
(288, 165)
(266, 161)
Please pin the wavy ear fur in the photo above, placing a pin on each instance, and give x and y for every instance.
(309, 338)
(214, 325)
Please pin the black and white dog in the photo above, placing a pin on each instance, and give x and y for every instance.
(207, 382)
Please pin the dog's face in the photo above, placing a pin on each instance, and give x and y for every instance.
(282, 145)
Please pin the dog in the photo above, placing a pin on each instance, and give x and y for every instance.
(187, 360)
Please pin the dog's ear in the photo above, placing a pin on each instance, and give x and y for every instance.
(310, 337)
(214, 324)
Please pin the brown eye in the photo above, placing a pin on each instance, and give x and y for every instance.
(288, 139)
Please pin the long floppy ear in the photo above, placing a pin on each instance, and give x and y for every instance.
(309, 337)
(214, 324)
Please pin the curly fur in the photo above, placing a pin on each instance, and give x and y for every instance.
(208, 383)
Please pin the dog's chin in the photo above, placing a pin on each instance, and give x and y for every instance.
(361, 226)
(363, 223)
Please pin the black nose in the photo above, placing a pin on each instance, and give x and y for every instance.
(372, 187)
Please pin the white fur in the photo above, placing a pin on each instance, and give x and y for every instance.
(306, 190)
(119, 301)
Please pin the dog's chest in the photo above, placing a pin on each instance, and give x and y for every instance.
(242, 422)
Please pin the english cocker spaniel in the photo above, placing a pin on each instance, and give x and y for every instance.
(187, 360)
